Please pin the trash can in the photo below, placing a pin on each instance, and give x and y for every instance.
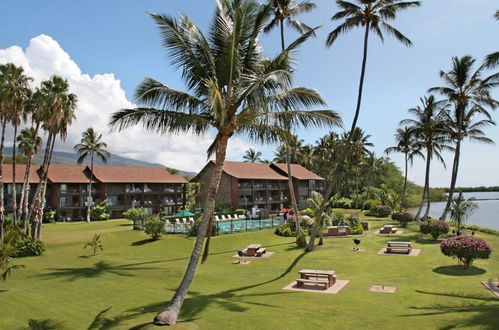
(365, 225)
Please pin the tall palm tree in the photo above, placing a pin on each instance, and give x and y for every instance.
(469, 95)
(407, 145)
(4, 90)
(61, 105)
(286, 11)
(430, 130)
(231, 89)
(372, 15)
(252, 156)
(91, 145)
(29, 145)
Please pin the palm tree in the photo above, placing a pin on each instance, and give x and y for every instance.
(372, 15)
(91, 145)
(252, 156)
(469, 94)
(407, 145)
(29, 145)
(461, 208)
(3, 116)
(231, 88)
(430, 130)
(287, 10)
(61, 105)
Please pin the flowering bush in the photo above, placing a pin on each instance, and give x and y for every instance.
(403, 218)
(380, 211)
(466, 249)
(434, 228)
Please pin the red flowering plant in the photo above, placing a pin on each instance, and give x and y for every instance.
(466, 249)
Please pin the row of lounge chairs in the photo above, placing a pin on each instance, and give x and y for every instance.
(183, 221)
(224, 217)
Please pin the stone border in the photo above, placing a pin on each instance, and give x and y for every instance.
(414, 253)
(264, 256)
(333, 289)
(383, 289)
(390, 234)
(492, 287)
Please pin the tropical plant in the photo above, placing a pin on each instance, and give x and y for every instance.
(407, 145)
(95, 244)
(430, 130)
(27, 247)
(60, 104)
(286, 11)
(466, 249)
(231, 88)
(461, 208)
(154, 228)
(403, 217)
(470, 96)
(99, 211)
(252, 156)
(91, 145)
(434, 228)
(7, 250)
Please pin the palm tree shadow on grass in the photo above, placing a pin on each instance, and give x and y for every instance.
(482, 313)
(99, 268)
(459, 270)
(143, 242)
(47, 324)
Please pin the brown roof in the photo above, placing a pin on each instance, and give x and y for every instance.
(242, 170)
(298, 172)
(67, 174)
(20, 169)
(131, 174)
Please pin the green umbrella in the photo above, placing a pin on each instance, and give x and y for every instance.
(184, 213)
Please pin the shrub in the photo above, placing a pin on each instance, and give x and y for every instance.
(192, 230)
(155, 228)
(371, 203)
(305, 223)
(308, 212)
(284, 230)
(343, 203)
(99, 210)
(134, 214)
(434, 228)
(26, 247)
(95, 244)
(403, 217)
(380, 211)
(241, 211)
(49, 216)
(337, 218)
(466, 249)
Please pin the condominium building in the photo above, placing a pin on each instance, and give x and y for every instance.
(263, 186)
(124, 187)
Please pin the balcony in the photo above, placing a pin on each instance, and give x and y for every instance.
(68, 205)
(134, 190)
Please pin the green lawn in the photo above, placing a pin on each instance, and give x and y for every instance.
(124, 286)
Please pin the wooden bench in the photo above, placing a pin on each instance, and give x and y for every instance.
(388, 229)
(404, 247)
(301, 281)
(260, 251)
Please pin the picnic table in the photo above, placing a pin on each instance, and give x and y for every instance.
(395, 246)
(253, 249)
(316, 277)
(388, 229)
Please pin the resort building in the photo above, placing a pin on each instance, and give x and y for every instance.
(124, 187)
(263, 186)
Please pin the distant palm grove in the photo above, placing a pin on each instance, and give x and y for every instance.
(233, 89)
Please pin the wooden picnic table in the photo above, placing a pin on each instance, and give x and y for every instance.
(251, 249)
(315, 276)
(399, 246)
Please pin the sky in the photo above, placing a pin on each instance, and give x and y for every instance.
(105, 48)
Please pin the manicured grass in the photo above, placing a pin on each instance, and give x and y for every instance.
(126, 284)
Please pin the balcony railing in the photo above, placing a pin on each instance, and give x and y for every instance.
(64, 204)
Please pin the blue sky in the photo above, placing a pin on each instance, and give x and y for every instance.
(119, 38)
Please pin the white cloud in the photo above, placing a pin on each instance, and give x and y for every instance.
(101, 95)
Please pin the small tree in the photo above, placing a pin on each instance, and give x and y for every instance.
(95, 244)
(99, 210)
(403, 218)
(434, 228)
(7, 249)
(466, 249)
(155, 228)
(461, 208)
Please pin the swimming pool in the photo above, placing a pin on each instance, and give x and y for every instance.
(229, 226)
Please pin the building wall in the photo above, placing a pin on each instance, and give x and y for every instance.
(224, 194)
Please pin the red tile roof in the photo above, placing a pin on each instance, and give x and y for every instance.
(20, 169)
(242, 170)
(67, 174)
(131, 174)
(298, 172)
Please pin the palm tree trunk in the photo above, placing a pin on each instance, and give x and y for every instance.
(90, 186)
(426, 183)
(405, 185)
(361, 83)
(44, 188)
(24, 188)
(2, 207)
(428, 201)
(455, 167)
(168, 316)
(14, 190)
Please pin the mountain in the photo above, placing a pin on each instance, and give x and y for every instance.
(71, 158)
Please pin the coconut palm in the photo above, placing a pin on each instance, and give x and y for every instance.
(461, 208)
(252, 156)
(231, 89)
(407, 145)
(91, 145)
(372, 15)
(286, 11)
(29, 145)
(430, 130)
(61, 105)
(470, 95)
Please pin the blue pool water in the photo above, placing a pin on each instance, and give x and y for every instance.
(238, 226)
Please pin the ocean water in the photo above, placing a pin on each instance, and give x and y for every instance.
(486, 215)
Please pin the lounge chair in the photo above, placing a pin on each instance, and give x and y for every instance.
(177, 221)
(223, 217)
(191, 220)
(217, 218)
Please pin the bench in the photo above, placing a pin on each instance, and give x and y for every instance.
(260, 251)
(388, 229)
(301, 281)
(404, 247)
